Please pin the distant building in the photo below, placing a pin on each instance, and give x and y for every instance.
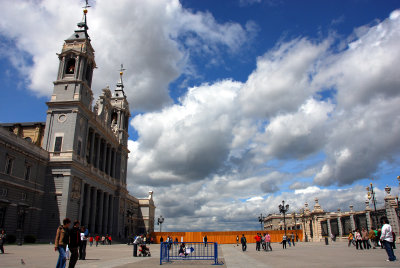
(316, 224)
(75, 164)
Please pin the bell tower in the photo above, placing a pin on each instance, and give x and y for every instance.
(76, 64)
(71, 101)
(120, 114)
(119, 124)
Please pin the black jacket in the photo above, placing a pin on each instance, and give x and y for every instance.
(74, 237)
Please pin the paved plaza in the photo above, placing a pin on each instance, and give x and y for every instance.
(303, 255)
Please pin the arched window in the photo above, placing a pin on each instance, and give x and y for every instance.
(114, 119)
(70, 66)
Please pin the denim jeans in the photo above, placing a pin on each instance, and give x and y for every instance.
(62, 258)
(389, 250)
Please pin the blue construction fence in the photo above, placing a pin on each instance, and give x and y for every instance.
(188, 251)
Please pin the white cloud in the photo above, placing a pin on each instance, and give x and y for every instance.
(237, 133)
(154, 40)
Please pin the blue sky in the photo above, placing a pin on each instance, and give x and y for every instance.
(236, 104)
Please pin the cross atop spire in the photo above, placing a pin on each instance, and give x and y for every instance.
(120, 84)
(83, 23)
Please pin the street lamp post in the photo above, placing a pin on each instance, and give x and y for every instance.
(261, 221)
(160, 221)
(283, 209)
(371, 194)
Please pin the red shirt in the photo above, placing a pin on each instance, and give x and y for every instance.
(257, 238)
(97, 238)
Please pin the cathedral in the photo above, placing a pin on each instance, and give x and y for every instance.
(75, 164)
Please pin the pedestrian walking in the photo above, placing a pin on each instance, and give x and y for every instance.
(74, 243)
(205, 239)
(258, 241)
(237, 240)
(284, 239)
(358, 238)
(372, 237)
(91, 240)
(263, 244)
(3, 237)
(365, 238)
(244, 242)
(61, 242)
(268, 241)
(109, 240)
(351, 238)
(82, 247)
(387, 238)
(97, 239)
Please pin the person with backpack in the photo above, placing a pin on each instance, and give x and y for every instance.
(61, 242)
(244, 242)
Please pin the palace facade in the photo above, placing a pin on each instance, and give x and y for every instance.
(316, 224)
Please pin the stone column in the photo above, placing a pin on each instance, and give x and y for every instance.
(113, 163)
(390, 206)
(91, 155)
(87, 206)
(93, 210)
(98, 152)
(104, 157)
(81, 202)
(111, 216)
(109, 160)
(99, 222)
(328, 222)
(105, 215)
(353, 224)
(340, 227)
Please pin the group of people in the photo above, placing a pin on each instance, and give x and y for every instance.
(75, 239)
(264, 241)
(140, 241)
(71, 242)
(289, 240)
(384, 237)
(103, 240)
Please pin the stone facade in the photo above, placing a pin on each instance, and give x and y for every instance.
(77, 160)
(316, 224)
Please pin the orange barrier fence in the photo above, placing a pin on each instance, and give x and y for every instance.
(224, 237)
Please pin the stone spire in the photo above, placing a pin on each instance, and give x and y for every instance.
(317, 207)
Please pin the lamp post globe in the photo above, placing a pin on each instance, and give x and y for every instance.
(261, 221)
(160, 221)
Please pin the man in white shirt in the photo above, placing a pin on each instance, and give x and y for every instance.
(387, 238)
